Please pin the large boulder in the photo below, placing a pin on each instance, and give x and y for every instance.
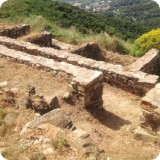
(56, 117)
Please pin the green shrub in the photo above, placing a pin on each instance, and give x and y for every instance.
(146, 42)
(118, 46)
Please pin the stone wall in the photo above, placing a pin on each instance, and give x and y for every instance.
(90, 50)
(16, 31)
(87, 84)
(149, 63)
(42, 39)
(136, 82)
(150, 106)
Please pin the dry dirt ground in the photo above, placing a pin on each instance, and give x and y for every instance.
(121, 59)
(111, 128)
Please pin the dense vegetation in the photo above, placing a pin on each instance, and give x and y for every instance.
(66, 16)
(146, 42)
(146, 13)
(73, 25)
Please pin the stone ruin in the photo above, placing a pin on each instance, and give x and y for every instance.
(90, 50)
(16, 31)
(41, 39)
(88, 75)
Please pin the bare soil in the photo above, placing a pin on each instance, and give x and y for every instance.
(116, 58)
(112, 128)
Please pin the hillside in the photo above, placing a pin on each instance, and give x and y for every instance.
(143, 12)
(66, 16)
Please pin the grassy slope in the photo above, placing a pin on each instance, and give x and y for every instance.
(48, 15)
(143, 12)
(65, 15)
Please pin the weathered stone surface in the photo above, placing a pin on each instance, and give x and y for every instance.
(83, 142)
(42, 39)
(150, 105)
(15, 31)
(3, 84)
(52, 102)
(149, 63)
(55, 117)
(61, 45)
(141, 134)
(66, 96)
(90, 50)
(48, 151)
(133, 81)
(83, 77)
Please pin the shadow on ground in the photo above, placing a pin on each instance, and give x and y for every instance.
(108, 119)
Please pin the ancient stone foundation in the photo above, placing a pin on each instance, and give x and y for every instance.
(42, 39)
(90, 50)
(16, 31)
(136, 82)
(87, 84)
(149, 63)
(151, 109)
(87, 75)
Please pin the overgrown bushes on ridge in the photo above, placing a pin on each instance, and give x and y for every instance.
(146, 42)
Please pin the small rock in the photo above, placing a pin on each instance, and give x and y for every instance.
(14, 90)
(54, 73)
(48, 151)
(3, 84)
(79, 133)
(37, 115)
(52, 102)
(66, 96)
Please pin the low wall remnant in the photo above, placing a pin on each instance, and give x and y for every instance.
(150, 106)
(149, 63)
(16, 31)
(88, 84)
(136, 82)
(42, 39)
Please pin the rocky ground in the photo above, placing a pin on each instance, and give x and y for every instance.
(72, 132)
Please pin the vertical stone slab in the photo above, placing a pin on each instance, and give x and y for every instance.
(91, 94)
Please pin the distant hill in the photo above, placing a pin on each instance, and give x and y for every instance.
(67, 16)
(142, 12)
